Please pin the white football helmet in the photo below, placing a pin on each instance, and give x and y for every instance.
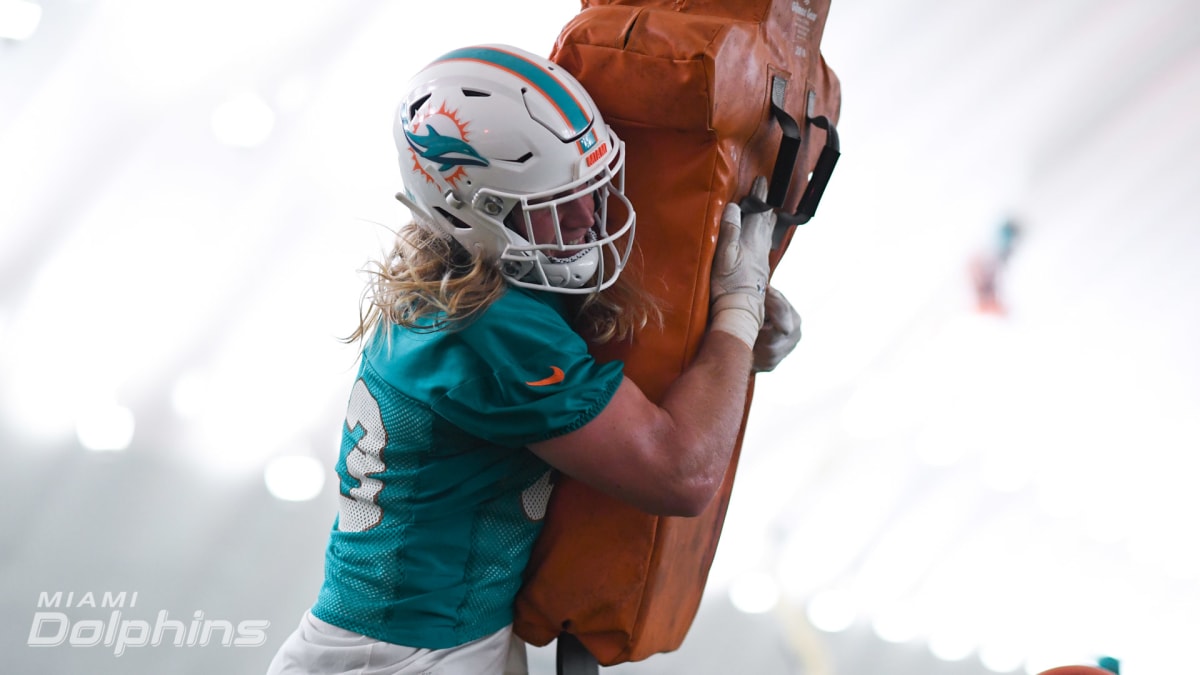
(489, 136)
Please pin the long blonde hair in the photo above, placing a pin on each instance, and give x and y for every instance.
(429, 282)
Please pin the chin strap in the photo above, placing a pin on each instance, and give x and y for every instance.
(589, 238)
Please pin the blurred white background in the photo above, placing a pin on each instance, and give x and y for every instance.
(187, 190)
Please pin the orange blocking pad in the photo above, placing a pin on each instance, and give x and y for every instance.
(688, 86)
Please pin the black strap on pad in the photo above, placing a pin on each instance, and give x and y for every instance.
(572, 658)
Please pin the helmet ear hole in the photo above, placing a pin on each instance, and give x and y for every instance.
(456, 222)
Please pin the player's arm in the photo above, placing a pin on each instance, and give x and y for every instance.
(670, 459)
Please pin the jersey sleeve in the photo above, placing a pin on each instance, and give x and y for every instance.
(535, 378)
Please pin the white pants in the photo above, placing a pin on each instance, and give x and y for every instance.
(320, 648)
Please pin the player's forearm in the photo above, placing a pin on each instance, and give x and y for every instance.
(706, 405)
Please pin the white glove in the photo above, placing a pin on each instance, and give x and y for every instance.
(741, 268)
(779, 334)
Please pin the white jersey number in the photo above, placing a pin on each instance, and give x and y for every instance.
(359, 508)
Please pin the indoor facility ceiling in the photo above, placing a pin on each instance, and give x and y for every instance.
(932, 483)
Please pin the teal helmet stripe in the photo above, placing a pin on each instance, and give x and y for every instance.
(562, 98)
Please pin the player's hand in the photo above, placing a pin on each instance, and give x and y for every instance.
(741, 269)
(780, 332)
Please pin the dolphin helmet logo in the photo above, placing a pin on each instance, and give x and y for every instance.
(447, 151)
(451, 151)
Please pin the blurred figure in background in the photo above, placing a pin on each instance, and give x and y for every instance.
(987, 269)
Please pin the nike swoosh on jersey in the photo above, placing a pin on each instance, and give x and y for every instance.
(556, 376)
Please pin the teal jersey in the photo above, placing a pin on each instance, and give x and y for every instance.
(440, 500)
